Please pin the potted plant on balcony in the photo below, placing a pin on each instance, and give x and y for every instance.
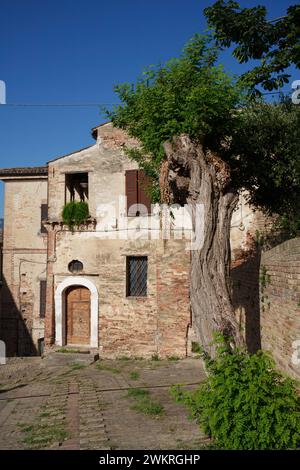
(75, 213)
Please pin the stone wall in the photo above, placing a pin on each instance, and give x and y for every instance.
(128, 326)
(157, 324)
(106, 163)
(24, 265)
(248, 226)
(280, 303)
(131, 326)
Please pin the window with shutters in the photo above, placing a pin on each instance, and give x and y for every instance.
(43, 285)
(44, 217)
(137, 271)
(138, 200)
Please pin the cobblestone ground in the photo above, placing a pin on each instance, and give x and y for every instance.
(124, 404)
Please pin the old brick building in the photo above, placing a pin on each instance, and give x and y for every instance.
(116, 284)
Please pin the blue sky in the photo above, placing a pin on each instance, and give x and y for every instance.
(68, 51)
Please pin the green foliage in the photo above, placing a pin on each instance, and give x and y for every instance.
(173, 358)
(196, 347)
(103, 367)
(148, 407)
(193, 95)
(245, 403)
(187, 95)
(137, 392)
(288, 224)
(264, 278)
(134, 375)
(144, 404)
(75, 213)
(274, 43)
(263, 153)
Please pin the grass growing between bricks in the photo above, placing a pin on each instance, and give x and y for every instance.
(134, 375)
(107, 368)
(73, 368)
(143, 403)
(39, 436)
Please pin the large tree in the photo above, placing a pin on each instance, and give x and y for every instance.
(203, 142)
(274, 43)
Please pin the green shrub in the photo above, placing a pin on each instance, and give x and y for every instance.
(75, 213)
(196, 348)
(245, 403)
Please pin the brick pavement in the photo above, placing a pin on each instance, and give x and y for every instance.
(72, 406)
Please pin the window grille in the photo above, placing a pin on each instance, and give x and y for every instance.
(137, 267)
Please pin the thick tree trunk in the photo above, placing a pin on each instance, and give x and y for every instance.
(194, 176)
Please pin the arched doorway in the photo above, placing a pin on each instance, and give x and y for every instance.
(78, 315)
(79, 300)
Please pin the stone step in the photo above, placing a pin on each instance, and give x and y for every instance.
(69, 358)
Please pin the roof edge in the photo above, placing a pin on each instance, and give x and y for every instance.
(71, 153)
(94, 129)
(24, 171)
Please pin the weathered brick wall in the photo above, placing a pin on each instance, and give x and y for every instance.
(173, 298)
(245, 297)
(132, 326)
(24, 265)
(156, 324)
(245, 268)
(280, 303)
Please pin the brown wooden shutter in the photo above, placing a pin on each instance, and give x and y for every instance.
(44, 216)
(143, 196)
(43, 286)
(131, 189)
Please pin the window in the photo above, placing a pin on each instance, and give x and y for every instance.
(136, 192)
(77, 187)
(75, 266)
(43, 285)
(137, 267)
(44, 217)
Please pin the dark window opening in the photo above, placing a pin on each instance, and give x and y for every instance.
(44, 217)
(137, 269)
(75, 266)
(138, 199)
(43, 286)
(77, 187)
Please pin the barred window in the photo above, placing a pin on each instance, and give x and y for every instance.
(43, 286)
(137, 267)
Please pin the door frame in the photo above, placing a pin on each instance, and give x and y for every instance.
(71, 315)
(60, 309)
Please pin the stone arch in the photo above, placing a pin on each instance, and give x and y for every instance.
(60, 309)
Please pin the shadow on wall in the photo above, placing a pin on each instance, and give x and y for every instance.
(245, 275)
(14, 329)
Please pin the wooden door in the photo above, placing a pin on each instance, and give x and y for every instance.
(78, 309)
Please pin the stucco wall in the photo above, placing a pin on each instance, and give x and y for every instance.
(106, 163)
(24, 264)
